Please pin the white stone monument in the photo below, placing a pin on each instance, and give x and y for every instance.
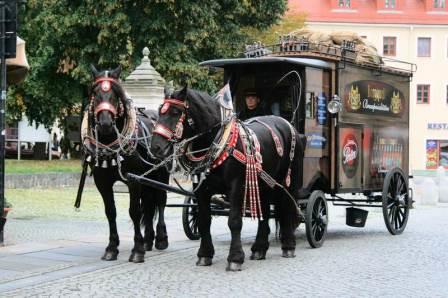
(145, 85)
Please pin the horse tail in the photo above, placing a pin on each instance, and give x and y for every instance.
(277, 215)
(296, 179)
(146, 215)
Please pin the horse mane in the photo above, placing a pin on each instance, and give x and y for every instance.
(204, 109)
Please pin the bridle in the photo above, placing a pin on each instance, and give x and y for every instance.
(173, 136)
(106, 84)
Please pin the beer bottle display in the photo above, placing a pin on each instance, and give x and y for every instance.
(387, 153)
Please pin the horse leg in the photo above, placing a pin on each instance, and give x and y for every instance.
(149, 208)
(206, 250)
(138, 252)
(104, 186)
(261, 244)
(291, 216)
(288, 220)
(235, 258)
(161, 235)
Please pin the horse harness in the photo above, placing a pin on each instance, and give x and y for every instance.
(224, 146)
(252, 158)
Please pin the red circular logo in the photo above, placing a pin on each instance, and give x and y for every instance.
(350, 155)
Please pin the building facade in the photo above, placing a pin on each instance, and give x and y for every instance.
(414, 31)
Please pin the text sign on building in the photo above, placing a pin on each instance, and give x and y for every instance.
(438, 126)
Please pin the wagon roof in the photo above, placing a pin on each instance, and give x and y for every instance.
(259, 60)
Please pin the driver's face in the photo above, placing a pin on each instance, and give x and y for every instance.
(252, 101)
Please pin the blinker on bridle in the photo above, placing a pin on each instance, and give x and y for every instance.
(166, 132)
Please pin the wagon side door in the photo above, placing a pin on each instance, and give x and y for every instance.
(350, 157)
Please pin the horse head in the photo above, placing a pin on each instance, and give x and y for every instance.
(107, 100)
(184, 114)
(170, 127)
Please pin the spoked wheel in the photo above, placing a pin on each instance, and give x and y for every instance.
(396, 202)
(316, 219)
(190, 218)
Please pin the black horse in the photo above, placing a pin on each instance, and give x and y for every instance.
(116, 140)
(190, 122)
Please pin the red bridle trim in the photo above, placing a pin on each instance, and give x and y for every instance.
(166, 132)
(163, 131)
(102, 79)
(105, 106)
(176, 102)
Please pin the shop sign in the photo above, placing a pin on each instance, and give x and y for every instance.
(438, 126)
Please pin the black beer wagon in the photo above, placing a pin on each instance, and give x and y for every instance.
(355, 115)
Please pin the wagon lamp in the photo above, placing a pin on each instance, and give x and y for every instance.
(335, 105)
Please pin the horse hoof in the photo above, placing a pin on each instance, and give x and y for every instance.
(147, 246)
(204, 261)
(137, 257)
(232, 266)
(162, 244)
(109, 256)
(258, 255)
(288, 253)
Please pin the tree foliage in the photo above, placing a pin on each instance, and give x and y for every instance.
(65, 36)
(286, 25)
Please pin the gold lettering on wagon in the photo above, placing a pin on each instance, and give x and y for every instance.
(376, 94)
(354, 98)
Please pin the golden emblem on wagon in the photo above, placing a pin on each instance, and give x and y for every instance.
(395, 103)
(354, 98)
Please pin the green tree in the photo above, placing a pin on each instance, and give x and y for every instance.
(65, 36)
(270, 36)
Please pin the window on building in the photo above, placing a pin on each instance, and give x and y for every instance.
(424, 47)
(423, 93)
(389, 46)
(436, 154)
(389, 3)
(439, 4)
(344, 3)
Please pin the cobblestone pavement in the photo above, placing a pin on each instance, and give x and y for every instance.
(353, 262)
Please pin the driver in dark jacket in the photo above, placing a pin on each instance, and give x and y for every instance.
(253, 107)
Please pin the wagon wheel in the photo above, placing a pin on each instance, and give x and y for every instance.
(396, 201)
(190, 218)
(316, 219)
